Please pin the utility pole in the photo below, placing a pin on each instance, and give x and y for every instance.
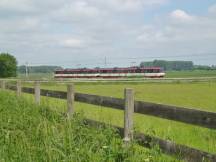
(133, 64)
(26, 70)
(105, 61)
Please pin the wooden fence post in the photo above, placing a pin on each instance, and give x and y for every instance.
(19, 88)
(37, 92)
(128, 114)
(3, 84)
(70, 99)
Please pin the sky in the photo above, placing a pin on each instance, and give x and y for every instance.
(108, 33)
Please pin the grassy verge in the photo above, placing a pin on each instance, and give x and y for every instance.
(38, 133)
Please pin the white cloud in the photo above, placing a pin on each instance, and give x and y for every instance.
(30, 23)
(15, 4)
(212, 9)
(129, 5)
(182, 33)
(75, 11)
(180, 15)
(72, 43)
(150, 34)
(20, 26)
(12, 7)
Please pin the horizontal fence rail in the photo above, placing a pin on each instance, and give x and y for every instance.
(190, 116)
(185, 115)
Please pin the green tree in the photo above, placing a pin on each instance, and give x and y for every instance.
(8, 65)
(170, 65)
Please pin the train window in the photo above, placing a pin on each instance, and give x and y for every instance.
(118, 71)
(114, 71)
(125, 71)
(138, 70)
(85, 72)
(149, 70)
(122, 71)
(104, 71)
(156, 70)
(73, 72)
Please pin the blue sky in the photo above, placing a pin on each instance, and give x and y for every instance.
(193, 6)
(82, 33)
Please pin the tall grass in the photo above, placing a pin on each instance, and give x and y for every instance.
(37, 133)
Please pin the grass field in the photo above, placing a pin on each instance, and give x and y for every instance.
(32, 76)
(189, 74)
(38, 133)
(197, 95)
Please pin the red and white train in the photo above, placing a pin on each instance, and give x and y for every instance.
(150, 72)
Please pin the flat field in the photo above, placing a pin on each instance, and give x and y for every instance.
(192, 73)
(197, 95)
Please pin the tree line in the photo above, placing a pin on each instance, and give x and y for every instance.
(176, 65)
(37, 69)
(9, 68)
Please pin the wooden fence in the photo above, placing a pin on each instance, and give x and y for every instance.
(185, 115)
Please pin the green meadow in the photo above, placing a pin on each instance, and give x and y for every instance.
(196, 95)
(192, 73)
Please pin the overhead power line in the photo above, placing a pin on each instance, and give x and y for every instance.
(111, 60)
(173, 56)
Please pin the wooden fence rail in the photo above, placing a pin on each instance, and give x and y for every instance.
(190, 116)
(185, 115)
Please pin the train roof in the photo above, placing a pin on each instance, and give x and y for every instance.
(110, 69)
